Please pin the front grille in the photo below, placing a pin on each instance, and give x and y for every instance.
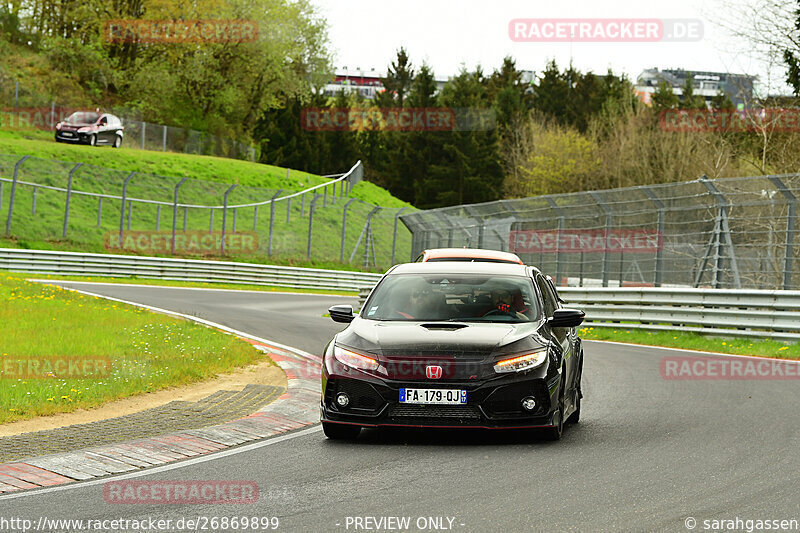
(507, 399)
(463, 412)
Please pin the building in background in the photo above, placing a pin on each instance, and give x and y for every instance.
(738, 87)
(366, 83)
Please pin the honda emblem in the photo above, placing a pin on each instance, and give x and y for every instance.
(433, 372)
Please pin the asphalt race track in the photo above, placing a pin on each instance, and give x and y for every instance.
(647, 454)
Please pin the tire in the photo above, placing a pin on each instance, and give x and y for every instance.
(117, 141)
(340, 431)
(554, 433)
(93, 140)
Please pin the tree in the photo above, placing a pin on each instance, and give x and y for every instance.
(397, 82)
(664, 98)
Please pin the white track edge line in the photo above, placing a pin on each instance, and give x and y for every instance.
(107, 283)
(685, 350)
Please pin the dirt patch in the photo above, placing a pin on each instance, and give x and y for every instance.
(264, 373)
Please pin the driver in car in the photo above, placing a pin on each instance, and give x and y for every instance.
(508, 302)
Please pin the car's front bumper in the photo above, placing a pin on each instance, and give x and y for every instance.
(77, 138)
(495, 404)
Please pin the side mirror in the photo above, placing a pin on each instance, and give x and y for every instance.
(566, 318)
(342, 313)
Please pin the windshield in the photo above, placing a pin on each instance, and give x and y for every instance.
(452, 297)
(82, 117)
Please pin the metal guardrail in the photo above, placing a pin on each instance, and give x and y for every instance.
(723, 312)
(108, 265)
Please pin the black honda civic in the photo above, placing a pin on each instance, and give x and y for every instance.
(469, 345)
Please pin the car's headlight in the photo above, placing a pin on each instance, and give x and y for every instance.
(521, 362)
(354, 360)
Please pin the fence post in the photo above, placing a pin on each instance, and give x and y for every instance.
(255, 218)
(790, 219)
(52, 115)
(144, 125)
(158, 217)
(1, 195)
(69, 195)
(272, 220)
(122, 211)
(16, 94)
(394, 234)
(130, 214)
(13, 184)
(325, 196)
(311, 224)
(288, 209)
(302, 205)
(481, 224)
(344, 228)
(185, 216)
(661, 226)
(225, 215)
(211, 221)
(35, 190)
(561, 224)
(366, 231)
(333, 194)
(100, 212)
(609, 220)
(175, 213)
(723, 230)
(164, 139)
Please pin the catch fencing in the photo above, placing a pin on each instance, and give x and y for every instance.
(724, 233)
(50, 200)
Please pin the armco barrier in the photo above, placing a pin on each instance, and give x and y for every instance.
(723, 312)
(108, 265)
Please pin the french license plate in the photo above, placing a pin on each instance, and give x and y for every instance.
(67, 134)
(433, 396)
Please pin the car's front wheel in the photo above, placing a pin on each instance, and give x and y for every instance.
(93, 140)
(117, 141)
(340, 431)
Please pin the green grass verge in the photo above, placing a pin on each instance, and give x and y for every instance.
(198, 284)
(693, 341)
(147, 351)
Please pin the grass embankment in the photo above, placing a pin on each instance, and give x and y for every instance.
(146, 351)
(158, 174)
(694, 341)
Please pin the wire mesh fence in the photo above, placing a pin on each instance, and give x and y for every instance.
(49, 200)
(725, 233)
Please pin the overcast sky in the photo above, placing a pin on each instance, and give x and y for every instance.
(450, 33)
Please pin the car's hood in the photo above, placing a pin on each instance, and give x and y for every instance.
(473, 339)
(464, 351)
